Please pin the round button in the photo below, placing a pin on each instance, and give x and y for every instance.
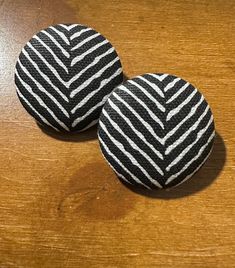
(156, 131)
(65, 74)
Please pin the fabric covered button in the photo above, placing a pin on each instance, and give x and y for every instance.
(156, 130)
(64, 75)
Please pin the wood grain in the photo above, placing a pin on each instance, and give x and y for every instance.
(60, 204)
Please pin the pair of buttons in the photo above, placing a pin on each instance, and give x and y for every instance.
(155, 130)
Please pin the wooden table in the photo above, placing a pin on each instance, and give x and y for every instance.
(60, 203)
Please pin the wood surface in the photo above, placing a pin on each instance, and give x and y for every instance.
(60, 203)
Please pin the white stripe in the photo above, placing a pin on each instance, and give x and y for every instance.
(77, 34)
(159, 77)
(44, 76)
(117, 173)
(171, 84)
(66, 54)
(190, 114)
(59, 62)
(92, 93)
(41, 102)
(69, 27)
(190, 175)
(133, 144)
(189, 131)
(172, 177)
(79, 119)
(85, 41)
(87, 52)
(49, 66)
(152, 85)
(134, 96)
(36, 112)
(154, 100)
(133, 160)
(179, 107)
(139, 134)
(94, 122)
(187, 149)
(178, 92)
(93, 77)
(121, 165)
(61, 34)
(96, 60)
(41, 88)
(140, 118)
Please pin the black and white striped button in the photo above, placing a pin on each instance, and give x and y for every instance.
(156, 131)
(65, 74)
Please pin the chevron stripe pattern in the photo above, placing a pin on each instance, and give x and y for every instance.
(65, 74)
(156, 131)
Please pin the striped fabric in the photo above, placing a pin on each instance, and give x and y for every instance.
(65, 74)
(156, 131)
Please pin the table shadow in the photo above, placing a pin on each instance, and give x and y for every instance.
(199, 181)
(87, 135)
